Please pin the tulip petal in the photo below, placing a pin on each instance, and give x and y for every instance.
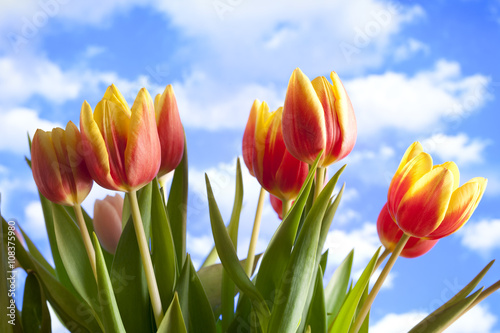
(424, 205)
(463, 202)
(95, 150)
(456, 173)
(344, 142)
(113, 95)
(412, 151)
(143, 152)
(249, 137)
(303, 119)
(412, 171)
(170, 131)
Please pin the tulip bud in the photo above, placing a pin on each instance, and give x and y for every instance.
(389, 234)
(123, 148)
(58, 165)
(275, 168)
(318, 116)
(426, 200)
(108, 221)
(170, 131)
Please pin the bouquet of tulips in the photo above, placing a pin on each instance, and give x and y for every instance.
(127, 270)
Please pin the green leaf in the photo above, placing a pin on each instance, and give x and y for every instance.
(74, 312)
(35, 253)
(163, 248)
(194, 304)
(109, 309)
(346, 314)
(302, 266)
(316, 318)
(127, 274)
(35, 316)
(440, 320)
(330, 213)
(173, 321)
(73, 255)
(177, 207)
(335, 292)
(323, 261)
(228, 256)
(366, 323)
(228, 288)
(210, 277)
(61, 273)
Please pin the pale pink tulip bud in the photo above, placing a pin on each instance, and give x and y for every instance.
(108, 221)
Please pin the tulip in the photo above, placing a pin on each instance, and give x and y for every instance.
(426, 201)
(108, 221)
(275, 168)
(249, 135)
(58, 165)
(123, 147)
(318, 116)
(390, 234)
(170, 131)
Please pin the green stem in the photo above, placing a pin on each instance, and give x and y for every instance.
(286, 205)
(320, 181)
(378, 284)
(85, 236)
(146, 258)
(255, 233)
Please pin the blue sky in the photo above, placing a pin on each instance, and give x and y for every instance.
(414, 71)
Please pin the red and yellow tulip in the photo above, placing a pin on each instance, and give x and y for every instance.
(58, 165)
(425, 200)
(170, 131)
(275, 168)
(122, 145)
(318, 116)
(390, 234)
(249, 135)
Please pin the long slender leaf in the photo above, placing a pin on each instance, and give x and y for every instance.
(36, 316)
(316, 318)
(229, 259)
(335, 292)
(196, 309)
(163, 248)
(294, 288)
(73, 255)
(177, 207)
(346, 314)
(439, 321)
(36, 253)
(228, 287)
(127, 275)
(330, 213)
(109, 309)
(173, 321)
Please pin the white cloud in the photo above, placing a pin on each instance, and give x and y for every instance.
(478, 319)
(482, 236)
(410, 48)
(14, 126)
(415, 104)
(382, 162)
(459, 148)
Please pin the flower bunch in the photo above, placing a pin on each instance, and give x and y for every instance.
(126, 269)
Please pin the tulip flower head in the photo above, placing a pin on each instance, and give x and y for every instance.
(426, 201)
(318, 116)
(389, 234)
(275, 168)
(58, 165)
(108, 221)
(170, 131)
(123, 147)
(249, 135)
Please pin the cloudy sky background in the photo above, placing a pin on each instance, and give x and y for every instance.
(414, 71)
